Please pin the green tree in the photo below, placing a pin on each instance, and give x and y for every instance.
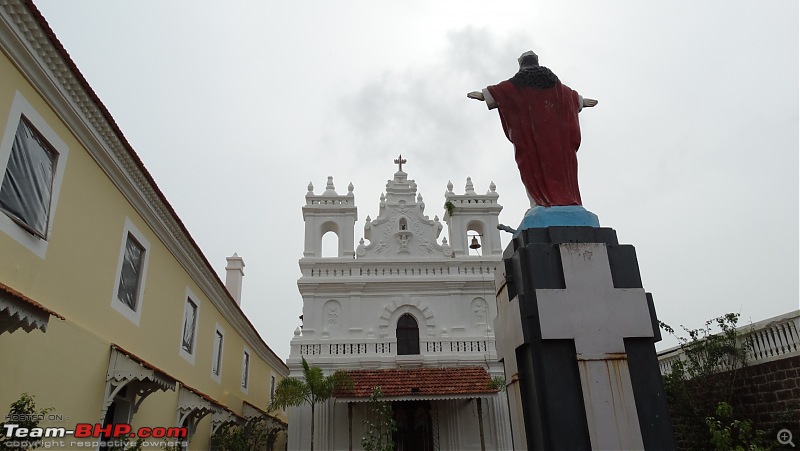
(22, 413)
(705, 376)
(380, 424)
(728, 433)
(497, 383)
(255, 434)
(313, 388)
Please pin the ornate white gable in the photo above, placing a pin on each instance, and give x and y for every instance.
(402, 230)
(404, 270)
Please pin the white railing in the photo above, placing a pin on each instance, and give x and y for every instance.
(457, 346)
(387, 348)
(384, 271)
(772, 339)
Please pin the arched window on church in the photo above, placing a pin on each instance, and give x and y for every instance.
(403, 224)
(329, 245)
(407, 335)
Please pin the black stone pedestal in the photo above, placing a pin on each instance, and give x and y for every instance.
(576, 334)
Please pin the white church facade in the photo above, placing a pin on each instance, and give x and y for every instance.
(408, 310)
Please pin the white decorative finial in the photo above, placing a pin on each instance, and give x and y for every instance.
(361, 250)
(469, 189)
(329, 185)
(436, 218)
(419, 197)
(449, 186)
(383, 197)
(350, 187)
(310, 187)
(492, 187)
(369, 219)
(447, 251)
(297, 332)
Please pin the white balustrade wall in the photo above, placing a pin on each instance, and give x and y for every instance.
(772, 339)
(387, 348)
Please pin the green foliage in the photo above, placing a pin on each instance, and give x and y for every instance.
(497, 383)
(23, 413)
(705, 376)
(728, 433)
(253, 435)
(789, 418)
(313, 388)
(379, 423)
(450, 207)
(708, 352)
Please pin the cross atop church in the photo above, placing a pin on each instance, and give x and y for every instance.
(400, 161)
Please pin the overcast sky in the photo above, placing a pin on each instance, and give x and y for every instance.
(691, 154)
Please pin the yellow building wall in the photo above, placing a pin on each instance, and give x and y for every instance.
(66, 366)
(65, 369)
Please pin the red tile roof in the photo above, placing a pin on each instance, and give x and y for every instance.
(259, 410)
(143, 362)
(264, 413)
(147, 365)
(197, 392)
(420, 382)
(25, 299)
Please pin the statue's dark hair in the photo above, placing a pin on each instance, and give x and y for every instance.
(529, 60)
(534, 77)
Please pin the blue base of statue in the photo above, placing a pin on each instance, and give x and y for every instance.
(563, 216)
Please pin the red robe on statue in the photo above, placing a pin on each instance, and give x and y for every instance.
(543, 126)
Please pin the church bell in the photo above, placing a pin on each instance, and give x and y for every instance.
(474, 244)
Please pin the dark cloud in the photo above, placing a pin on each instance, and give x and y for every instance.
(424, 108)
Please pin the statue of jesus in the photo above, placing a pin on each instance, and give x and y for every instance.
(539, 115)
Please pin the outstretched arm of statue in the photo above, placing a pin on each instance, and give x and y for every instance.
(589, 102)
(484, 96)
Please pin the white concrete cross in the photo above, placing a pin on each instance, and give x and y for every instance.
(597, 317)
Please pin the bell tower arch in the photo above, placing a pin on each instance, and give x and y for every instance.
(329, 212)
(473, 215)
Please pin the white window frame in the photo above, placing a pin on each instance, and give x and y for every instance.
(217, 354)
(272, 383)
(21, 107)
(133, 316)
(246, 362)
(189, 297)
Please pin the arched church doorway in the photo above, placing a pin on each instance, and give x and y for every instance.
(414, 426)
